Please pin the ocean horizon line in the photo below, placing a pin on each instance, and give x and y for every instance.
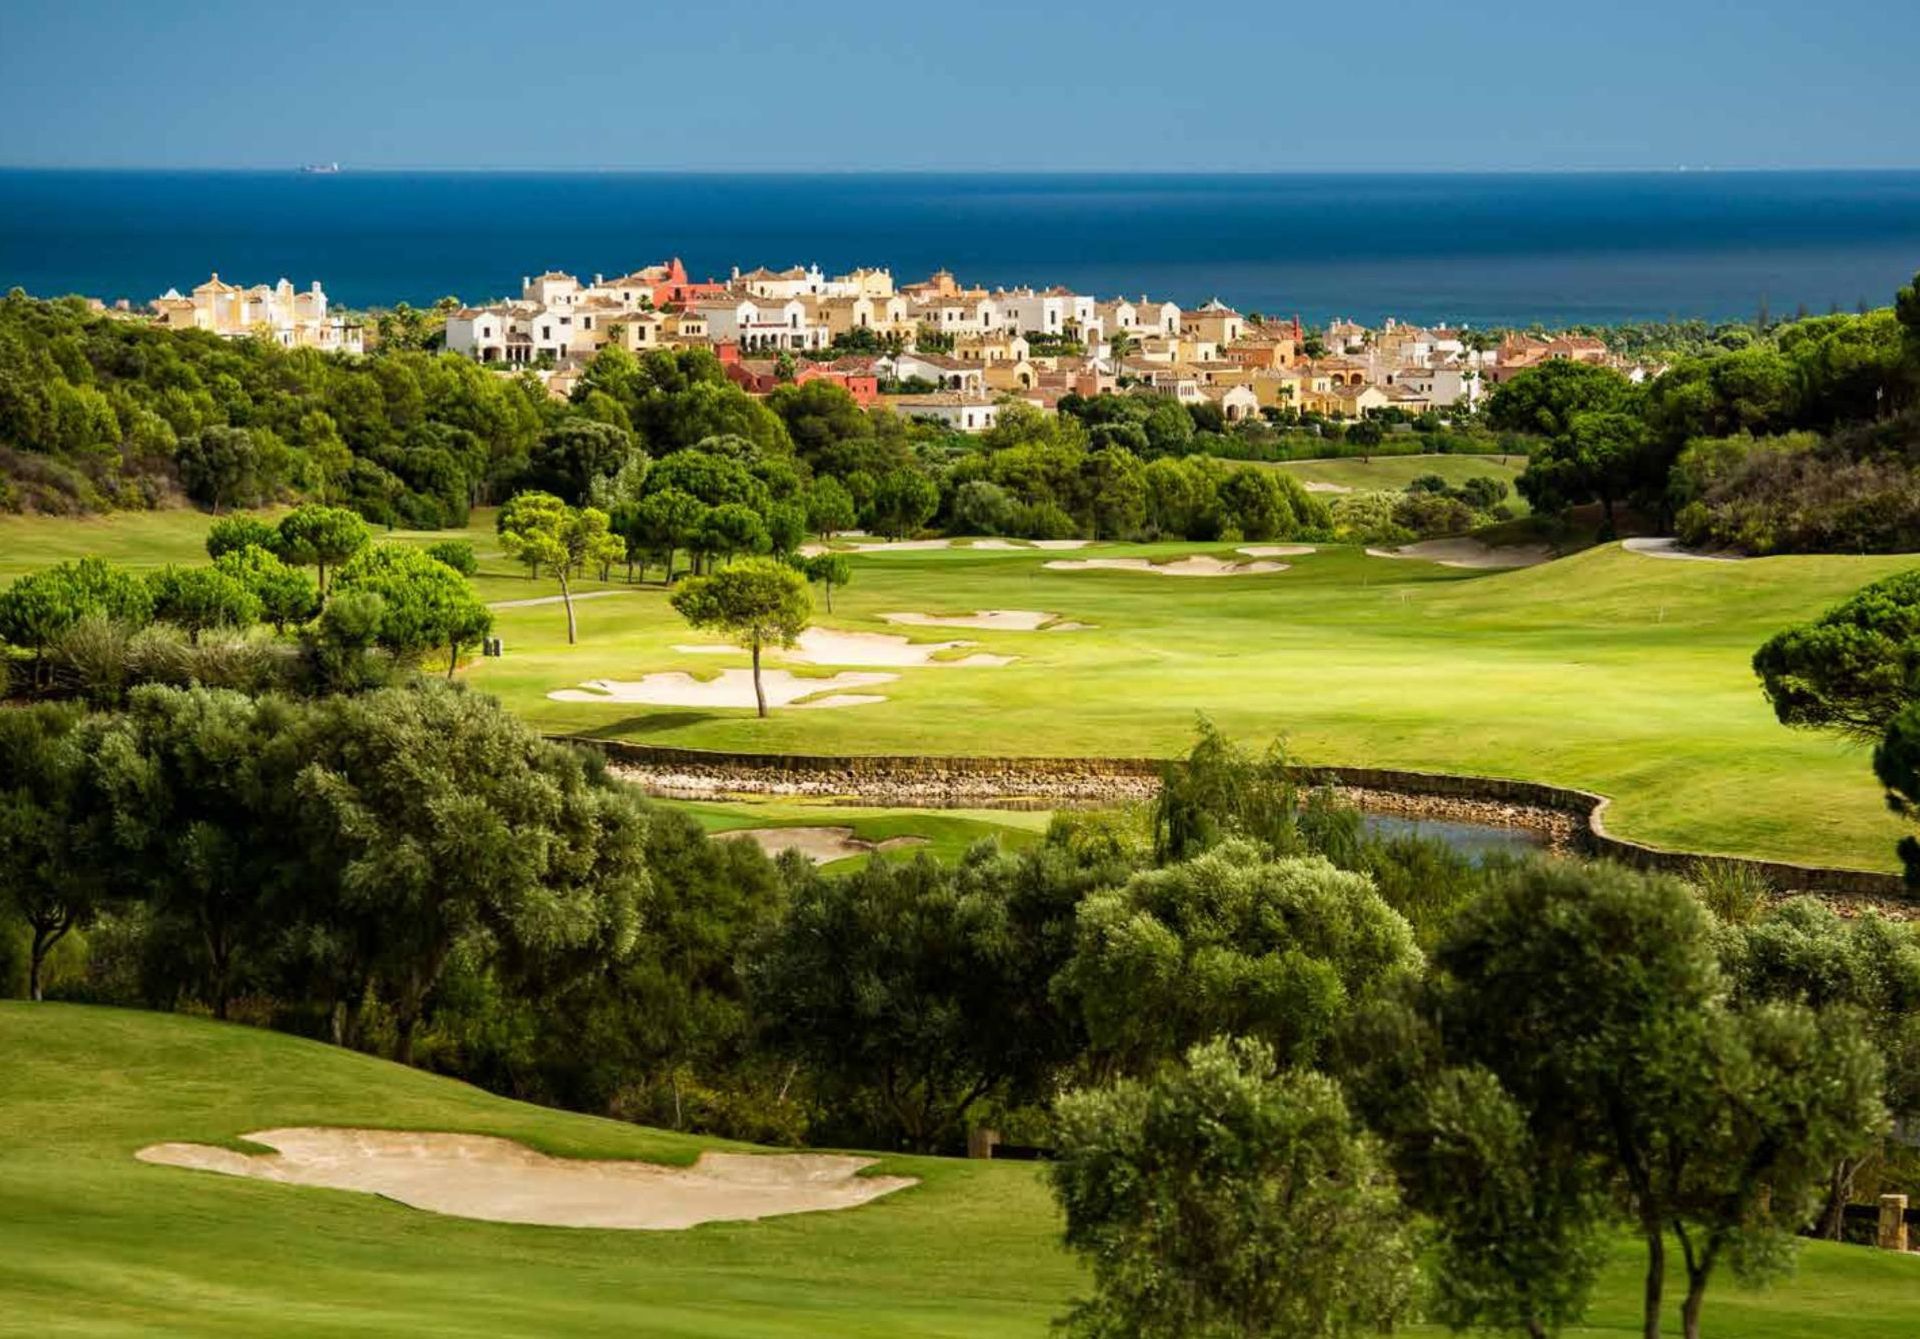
(1189, 174)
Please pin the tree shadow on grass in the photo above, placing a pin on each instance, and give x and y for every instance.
(652, 722)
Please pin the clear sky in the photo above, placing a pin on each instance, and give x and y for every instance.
(981, 84)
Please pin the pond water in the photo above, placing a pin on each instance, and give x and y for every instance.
(1476, 841)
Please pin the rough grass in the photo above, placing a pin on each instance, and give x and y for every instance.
(1393, 473)
(94, 1243)
(947, 832)
(1605, 670)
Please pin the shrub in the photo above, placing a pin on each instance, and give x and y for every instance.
(455, 553)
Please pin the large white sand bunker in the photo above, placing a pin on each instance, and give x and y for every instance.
(825, 646)
(994, 620)
(1468, 553)
(479, 1176)
(1198, 565)
(820, 845)
(1648, 547)
(1275, 550)
(729, 688)
(1061, 543)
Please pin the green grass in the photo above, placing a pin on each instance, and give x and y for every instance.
(1393, 473)
(1605, 670)
(93, 1243)
(947, 832)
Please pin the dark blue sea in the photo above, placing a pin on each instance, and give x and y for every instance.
(1479, 249)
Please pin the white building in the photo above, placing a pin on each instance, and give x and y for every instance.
(963, 411)
(292, 318)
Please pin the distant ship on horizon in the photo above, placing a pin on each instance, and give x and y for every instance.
(321, 169)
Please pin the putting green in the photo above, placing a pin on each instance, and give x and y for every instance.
(1606, 670)
(93, 1242)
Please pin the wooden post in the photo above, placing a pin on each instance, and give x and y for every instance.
(980, 1142)
(1893, 1223)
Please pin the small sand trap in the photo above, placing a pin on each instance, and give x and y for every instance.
(479, 1176)
(1276, 550)
(994, 620)
(730, 688)
(1320, 486)
(820, 845)
(1670, 548)
(995, 544)
(1468, 553)
(1061, 543)
(813, 550)
(1199, 565)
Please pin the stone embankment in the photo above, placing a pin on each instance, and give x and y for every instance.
(1566, 819)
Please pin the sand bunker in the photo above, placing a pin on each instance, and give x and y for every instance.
(1319, 486)
(1061, 543)
(1670, 548)
(730, 688)
(1468, 553)
(820, 845)
(824, 646)
(995, 620)
(479, 1176)
(1275, 550)
(995, 544)
(1199, 565)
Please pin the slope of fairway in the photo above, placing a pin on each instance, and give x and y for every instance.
(1607, 670)
(94, 1243)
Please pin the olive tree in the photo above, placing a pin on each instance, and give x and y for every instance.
(50, 873)
(1233, 941)
(1228, 1196)
(758, 601)
(1594, 996)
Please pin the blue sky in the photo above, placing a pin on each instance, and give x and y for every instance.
(746, 84)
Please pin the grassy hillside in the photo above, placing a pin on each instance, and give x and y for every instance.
(94, 1243)
(1607, 670)
(1394, 473)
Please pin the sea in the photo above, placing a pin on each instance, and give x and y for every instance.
(1472, 249)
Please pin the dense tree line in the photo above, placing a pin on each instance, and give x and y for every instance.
(1275, 1055)
(1804, 440)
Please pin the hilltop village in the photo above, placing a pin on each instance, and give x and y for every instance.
(938, 349)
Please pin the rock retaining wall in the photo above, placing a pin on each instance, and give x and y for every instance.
(1566, 817)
